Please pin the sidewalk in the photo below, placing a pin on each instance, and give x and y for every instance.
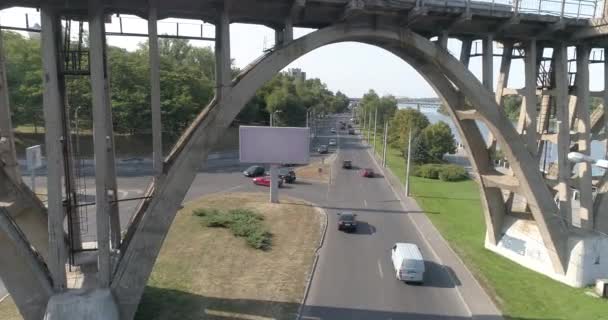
(478, 302)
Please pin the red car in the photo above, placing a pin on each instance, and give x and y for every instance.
(265, 181)
(367, 172)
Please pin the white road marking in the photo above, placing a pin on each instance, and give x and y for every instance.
(380, 270)
(365, 203)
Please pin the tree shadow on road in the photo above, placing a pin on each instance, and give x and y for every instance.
(169, 304)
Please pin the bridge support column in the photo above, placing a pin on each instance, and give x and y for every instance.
(530, 100)
(54, 102)
(9, 163)
(585, 214)
(223, 78)
(563, 130)
(487, 67)
(108, 226)
(157, 145)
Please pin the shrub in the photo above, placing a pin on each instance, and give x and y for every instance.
(451, 172)
(242, 222)
(429, 171)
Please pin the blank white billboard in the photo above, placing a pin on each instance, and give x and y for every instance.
(274, 145)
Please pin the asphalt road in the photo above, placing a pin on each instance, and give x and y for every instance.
(354, 278)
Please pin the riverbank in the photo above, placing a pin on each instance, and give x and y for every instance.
(455, 210)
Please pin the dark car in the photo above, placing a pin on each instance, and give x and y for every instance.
(350, 125)
(287, 175)
(351, 131)
(347, 221)
(254, 171)
(367, 173)
(347, 164)
(322, 149)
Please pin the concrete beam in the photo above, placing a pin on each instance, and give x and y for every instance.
(585, 214)
(503, 75)
(465, 51)
(488, 62)
(101, 138)
(463, 18)
(154, 53)
(23, 271)
(352, 9)
(563, 130)
(442, 39)
(504, 26)
(54, 101)
(415, 14)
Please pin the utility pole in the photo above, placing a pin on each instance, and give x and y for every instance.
(407, 166)
(369, 125)
(375, 123)
(385, 139)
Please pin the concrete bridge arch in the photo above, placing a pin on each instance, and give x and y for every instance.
(450, 78)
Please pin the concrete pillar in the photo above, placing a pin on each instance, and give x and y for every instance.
(488, 62)
(288, 31)
(22, 270)
(585, 214)
(157, 145)
(465, 51)
(503, 75)
(278, 37)
(442, 40)
(53, 103)
(101, 138)
(530, 100)
(274, 183)
(563, 130)
(11, 167)
(223, 77)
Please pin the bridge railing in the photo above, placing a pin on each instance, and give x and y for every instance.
(579, 9)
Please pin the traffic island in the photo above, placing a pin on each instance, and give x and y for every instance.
(318, 170)
(208, 272)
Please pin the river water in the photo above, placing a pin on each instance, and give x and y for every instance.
(598, 148)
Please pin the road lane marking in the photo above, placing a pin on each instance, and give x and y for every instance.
(365, 203)
(380, 270)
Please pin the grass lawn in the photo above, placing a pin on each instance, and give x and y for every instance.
(519, 292)
(208, 273)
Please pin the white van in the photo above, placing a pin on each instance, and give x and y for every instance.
(408, 262)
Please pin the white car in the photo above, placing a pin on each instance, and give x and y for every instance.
(333, 130)
(408, 262)
(332, 142)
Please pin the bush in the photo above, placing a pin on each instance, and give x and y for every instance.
(445, 172)
(451, 172)
(429, 171)
(242, 222)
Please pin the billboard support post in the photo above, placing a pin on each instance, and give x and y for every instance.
(274, 183)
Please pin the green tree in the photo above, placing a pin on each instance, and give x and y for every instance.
(433, 142)
(400, 125)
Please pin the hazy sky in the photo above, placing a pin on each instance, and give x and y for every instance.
(352, 68)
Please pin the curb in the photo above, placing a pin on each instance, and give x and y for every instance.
(6, 296)
(440, 237)
(313, 268)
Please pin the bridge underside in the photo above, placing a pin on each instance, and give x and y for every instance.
(521, 197)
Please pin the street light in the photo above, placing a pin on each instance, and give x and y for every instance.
(577, 157)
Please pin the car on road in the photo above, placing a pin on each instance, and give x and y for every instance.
(254, 171)
(322, 149)
(333, 130)
(350, 125)
(265, 181)
(367, 172)
(347, 164)
(287, 175)
(332, 142)
(408, 262)
(347, 221)
(351, 131)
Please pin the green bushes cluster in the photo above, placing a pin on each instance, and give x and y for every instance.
(242, 222)
(444, 172)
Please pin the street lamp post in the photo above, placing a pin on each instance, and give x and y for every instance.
(407, 166)
(375, 128)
